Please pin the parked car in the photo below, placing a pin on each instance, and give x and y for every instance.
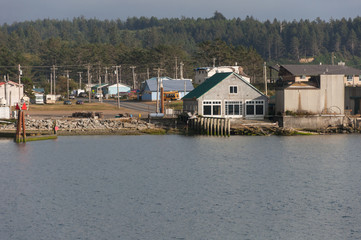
(79, 102)
(71, 96)
(67, 102)
(83, 94)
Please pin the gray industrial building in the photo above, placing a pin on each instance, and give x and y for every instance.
(324, 95)
(313, 89)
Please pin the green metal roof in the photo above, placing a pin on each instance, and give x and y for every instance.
(207, 85)
(100, 85)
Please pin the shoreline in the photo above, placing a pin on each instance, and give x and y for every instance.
(135, 126)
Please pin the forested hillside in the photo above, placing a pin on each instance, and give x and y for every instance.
(149, 43)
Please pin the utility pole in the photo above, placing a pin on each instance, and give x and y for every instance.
(147, 73)
(117, 73)
(88, 75)
(158, 70)
(80, 79)
(20, 73)
(176, 68)
(54, 78)
(185, 87)
(181, 70)
(67, 82)
(133, 67)
(51, 83)
(157, 106)
(98, 72)
(99, 90)
(214, 62)
(161, 97)
(265, 76)
(106, 75)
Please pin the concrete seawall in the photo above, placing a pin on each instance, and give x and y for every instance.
(312, 122)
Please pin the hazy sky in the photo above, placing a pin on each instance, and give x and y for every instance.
(21, 10)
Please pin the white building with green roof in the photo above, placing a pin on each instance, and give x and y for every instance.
(226, 95)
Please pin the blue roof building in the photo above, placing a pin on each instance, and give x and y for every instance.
(112, 89)
(98, 87)
(39, 90)
(149, 87)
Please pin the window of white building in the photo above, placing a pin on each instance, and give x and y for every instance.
(233, 89)
(255, 107)
(233, 108)
(212, 108)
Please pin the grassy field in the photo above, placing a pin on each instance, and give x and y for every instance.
(176, 105)
(73, 107)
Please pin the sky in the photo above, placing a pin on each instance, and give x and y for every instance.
(27, 10)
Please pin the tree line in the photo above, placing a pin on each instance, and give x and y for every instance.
(149, 43)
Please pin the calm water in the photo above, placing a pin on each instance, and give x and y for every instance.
(176, 187)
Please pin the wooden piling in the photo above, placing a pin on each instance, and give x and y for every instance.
(207, 125)
(225, 127)
(221, 127)
(217, 127)
(229, 127)
(196, 124)
(211, 126)
(201, 126)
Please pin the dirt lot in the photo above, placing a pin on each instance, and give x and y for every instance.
(59, 110)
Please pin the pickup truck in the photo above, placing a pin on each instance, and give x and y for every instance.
(98, 95)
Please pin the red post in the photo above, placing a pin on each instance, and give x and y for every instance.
(23, 125)
(18, 127)
(20, 135)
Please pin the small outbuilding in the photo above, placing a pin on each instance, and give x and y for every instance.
(226, 95)
(9, 92)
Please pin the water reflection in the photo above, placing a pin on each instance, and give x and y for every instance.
(164, 187)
